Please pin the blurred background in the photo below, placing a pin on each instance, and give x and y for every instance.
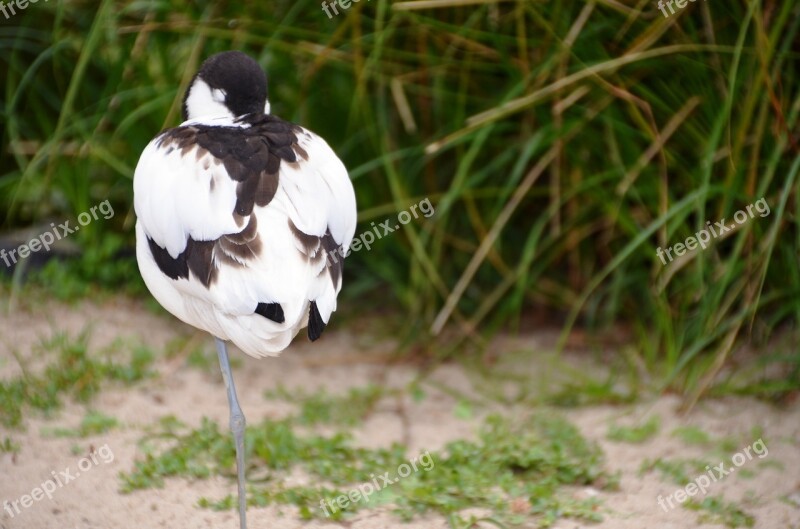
(560, 143)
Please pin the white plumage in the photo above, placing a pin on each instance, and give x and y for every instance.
(187, 193)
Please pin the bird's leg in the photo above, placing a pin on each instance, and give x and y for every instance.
(237, 426)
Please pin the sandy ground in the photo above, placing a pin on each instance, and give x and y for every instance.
(771, 492)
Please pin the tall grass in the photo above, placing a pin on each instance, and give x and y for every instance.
(561, 142)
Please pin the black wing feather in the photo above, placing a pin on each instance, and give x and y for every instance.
(315, 323)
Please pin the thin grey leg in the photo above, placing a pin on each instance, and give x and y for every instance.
(237, 426)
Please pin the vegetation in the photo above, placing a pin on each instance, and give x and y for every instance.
(679, 470)
(716, 511)
(74, 373)
(517, 470)
(93, 423)
(562, 144)
(322, 408)
(9, 446)
(635, 434)
(692, 435)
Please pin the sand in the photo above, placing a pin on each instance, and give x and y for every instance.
(770, 492)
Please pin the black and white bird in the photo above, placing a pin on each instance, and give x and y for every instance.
(243, 220)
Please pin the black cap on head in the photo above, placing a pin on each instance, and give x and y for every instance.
(239, 76)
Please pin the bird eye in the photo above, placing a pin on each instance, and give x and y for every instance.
(218, 95)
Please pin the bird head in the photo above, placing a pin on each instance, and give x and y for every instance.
(229, 84)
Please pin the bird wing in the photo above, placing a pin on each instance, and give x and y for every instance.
(241, 228)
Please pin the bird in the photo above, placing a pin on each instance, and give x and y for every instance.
(242, 222)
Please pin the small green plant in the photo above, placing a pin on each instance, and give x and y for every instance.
(692, 435)
(589, 392)
(93, 423)
(323, 408)
(201, 360)
(74, 373)
(9, 446)
(716, 511)
(679, 470)
(463, 410)
(635, 434)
